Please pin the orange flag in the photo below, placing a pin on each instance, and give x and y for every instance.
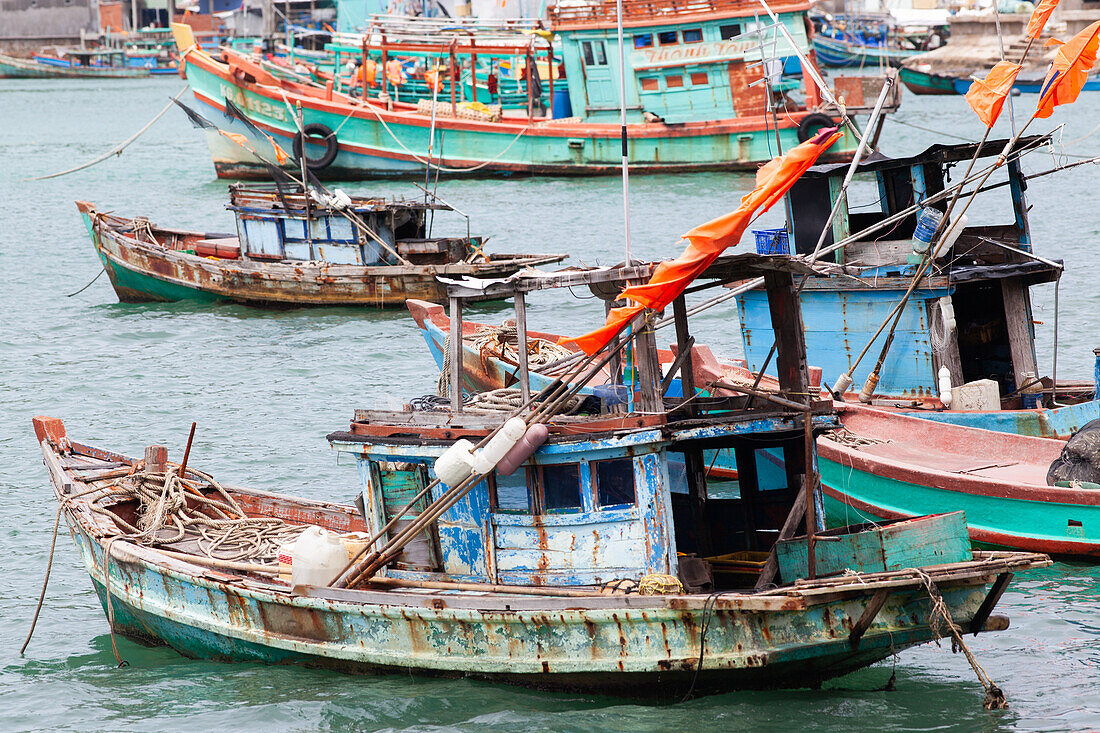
(708, 241)
(987, 96)
(1039, 18)
(1069, 71)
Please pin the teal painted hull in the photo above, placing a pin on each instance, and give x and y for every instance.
(368, 148)
(912, 468)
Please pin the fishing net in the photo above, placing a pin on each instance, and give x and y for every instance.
(1080, 458)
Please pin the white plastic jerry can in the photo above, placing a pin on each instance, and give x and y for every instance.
(319, 556)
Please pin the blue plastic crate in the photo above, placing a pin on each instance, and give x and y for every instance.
(772, 241)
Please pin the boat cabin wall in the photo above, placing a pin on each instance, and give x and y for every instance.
(680, 72)
(565, 518)
(839, 322)
(328, 237)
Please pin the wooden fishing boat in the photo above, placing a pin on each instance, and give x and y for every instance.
(971, 315)
(76, 64)
(690, 106)
(291, 250)
(843, 53)
(884, 465)
(523, 577)
(920, 79)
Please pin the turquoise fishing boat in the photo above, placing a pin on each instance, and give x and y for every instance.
(885, 466)
(920, 79)
(566, 551)
(692, 100)
(295, 249)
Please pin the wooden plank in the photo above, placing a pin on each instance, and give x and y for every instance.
(786, 317)
(878, 600)
(456, 349)
(1017, 304)
(685, 344)
(977, 624)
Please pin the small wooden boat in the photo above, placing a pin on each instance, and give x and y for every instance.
(921, 80)
(109, 64)
(842, 53)
(290, 250)
(884, 465)
(525, 576)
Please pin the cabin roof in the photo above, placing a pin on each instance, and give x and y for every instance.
(941, 154)
(728, 268)
(656, 13)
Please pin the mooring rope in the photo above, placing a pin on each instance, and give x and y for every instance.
(46, 580)
(117, 150)
(938, 618)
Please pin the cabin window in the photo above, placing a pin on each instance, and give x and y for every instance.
(643, 41)
(650, 84)
(561, 488)
(693, 35)
(729, 31)
(699, 78)
(667, 38)
(674, 81)
(614, 482)
(594, 53)
(510, 493)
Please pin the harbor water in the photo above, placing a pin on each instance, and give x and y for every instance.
(266, 387)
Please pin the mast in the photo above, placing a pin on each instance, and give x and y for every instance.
(622, 128)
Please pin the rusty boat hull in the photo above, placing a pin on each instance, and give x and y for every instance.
(161, 267)
(648, 646)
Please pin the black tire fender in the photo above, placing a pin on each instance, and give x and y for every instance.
(807, 128)
(332, 147)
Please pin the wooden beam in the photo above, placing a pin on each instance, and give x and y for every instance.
(649, 368)
(685, 343)
(978, 622)
(521, 346)
(790, 345)
(1018, 322)
(456, 354)
(878, 600)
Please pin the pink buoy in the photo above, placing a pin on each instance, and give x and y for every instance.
(530, 442)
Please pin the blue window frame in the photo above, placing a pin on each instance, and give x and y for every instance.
(644, 40)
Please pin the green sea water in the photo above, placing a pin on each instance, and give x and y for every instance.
(265, 388)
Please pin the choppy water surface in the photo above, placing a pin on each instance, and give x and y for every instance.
(265, 388)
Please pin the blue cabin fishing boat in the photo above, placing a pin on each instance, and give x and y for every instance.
(863, 41)
(971, 316)
(579, 545)
(708, 86)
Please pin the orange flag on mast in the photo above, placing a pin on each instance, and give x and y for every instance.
(1039, 18)
(707, 241)
(987, 96)
(1069, 71)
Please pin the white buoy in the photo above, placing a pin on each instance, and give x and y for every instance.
(945, 387)
(947, 313)
(456, 463)
(843, 382)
